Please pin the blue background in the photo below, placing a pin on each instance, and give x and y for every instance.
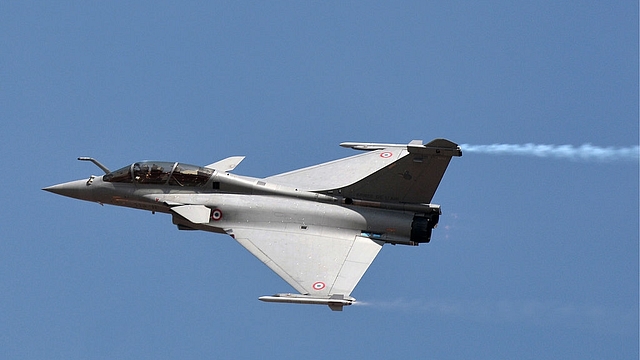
(534, 257)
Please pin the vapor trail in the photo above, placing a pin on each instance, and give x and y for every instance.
(585, 152)
(537, 312)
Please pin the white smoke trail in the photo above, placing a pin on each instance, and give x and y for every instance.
(535, 312)
(586, 152)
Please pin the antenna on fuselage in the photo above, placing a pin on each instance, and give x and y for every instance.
(98, 164)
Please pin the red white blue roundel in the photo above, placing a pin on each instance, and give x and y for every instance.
(318, 285)
(216, 215)
(386, 154)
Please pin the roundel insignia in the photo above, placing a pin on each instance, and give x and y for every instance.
(216, 215)
(319, 285)
(386, 155)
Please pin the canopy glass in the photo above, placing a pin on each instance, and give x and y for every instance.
(158, 172)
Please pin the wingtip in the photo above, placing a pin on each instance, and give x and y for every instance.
(335, 302)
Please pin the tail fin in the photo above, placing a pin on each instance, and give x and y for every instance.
(388, 173)
(413, 178)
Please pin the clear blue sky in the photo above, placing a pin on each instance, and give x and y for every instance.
(534, 258)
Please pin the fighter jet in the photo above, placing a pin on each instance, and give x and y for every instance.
(318, 228)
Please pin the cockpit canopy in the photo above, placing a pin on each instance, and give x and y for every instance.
(157, 172)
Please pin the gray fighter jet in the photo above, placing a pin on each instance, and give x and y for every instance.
(319, 228)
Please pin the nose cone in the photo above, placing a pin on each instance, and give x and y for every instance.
(78, 189)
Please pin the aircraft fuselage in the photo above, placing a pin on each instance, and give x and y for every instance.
(272, 207)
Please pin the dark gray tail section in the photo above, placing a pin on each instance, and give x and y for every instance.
(412, 179)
